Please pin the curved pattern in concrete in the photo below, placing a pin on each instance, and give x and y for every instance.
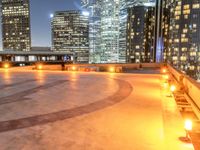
(124, 91)
(21, 95)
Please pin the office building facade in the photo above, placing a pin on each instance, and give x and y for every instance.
(16, 31)
(93, 8)
(70, 33)
(183, 49)
(123, 14)
(109, 35)
(140, 34)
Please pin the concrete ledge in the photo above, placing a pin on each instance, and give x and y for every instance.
(191, 88)
(117, 68)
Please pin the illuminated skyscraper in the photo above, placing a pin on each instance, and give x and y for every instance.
(93, 7)
(70, 33)
(109, 31)
(183, 50)
(108, 22)
(104, 30)
(140, 34)
(16, 32)
(124, 6)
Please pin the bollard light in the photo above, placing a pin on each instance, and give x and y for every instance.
(188, 128)
(112, 69)
(40, 67)
(188, 125)
(164, 70)
(6, 65)
(172, 88)
(73, 68)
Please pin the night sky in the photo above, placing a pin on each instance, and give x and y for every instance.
(40, 18)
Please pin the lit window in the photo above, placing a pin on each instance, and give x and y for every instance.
(196, 6)
(186, 6)
(186, 12)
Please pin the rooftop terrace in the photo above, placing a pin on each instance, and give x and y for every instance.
(44, 109)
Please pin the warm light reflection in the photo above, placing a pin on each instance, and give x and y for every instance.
(73, 76)
(165, 85)
(7, 77)
(40, 76)
(166, 77)
(188, 125)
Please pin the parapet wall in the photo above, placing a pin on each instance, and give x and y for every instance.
(191, 88)
(91, 67)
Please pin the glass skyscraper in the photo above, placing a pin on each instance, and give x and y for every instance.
(108, 26)
(70, 33)
(123, 14)
(93, 8)
(110, 31)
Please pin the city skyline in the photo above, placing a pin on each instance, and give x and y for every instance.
(172, 36)
(40, 19)
(100, 74)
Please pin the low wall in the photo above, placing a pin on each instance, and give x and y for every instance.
(191, 87)
(23, 68)
(92, 67)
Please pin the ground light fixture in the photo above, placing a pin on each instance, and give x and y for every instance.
(39, 66)
(172, 88)
(73, 68)
(164, 70)
(6, 65)
(188, 127)
(112, 69)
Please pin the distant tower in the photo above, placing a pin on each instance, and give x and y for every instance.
(70, 33)
(158, 42)
(110, 31)
(93, 7)
(140, 34)
(16, 32)
(123, 14)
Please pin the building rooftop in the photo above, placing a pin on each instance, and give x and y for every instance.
(77, 110)
(34, 52)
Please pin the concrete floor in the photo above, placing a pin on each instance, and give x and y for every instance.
(42, 110)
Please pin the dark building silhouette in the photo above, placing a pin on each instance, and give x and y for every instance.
(16, 32)
(140, 34)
